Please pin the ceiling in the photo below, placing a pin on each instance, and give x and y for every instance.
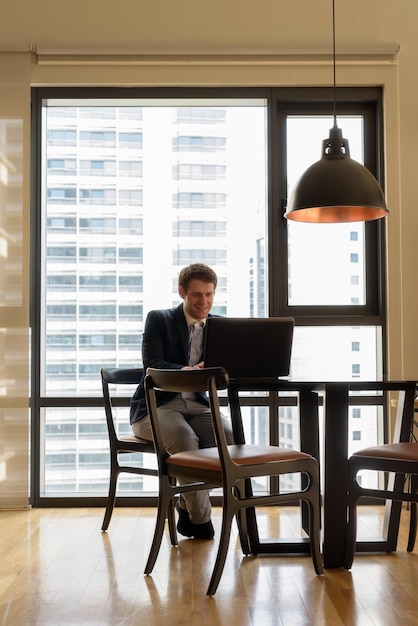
(196, 27)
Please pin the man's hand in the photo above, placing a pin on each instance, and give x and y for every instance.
(194, 367)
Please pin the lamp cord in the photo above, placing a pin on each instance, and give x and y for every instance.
(334, 62)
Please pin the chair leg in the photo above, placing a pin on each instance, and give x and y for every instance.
(413, 516)
(172, 522)
(111, 496)
(241, 517)
(350, 546)
(165, 495)
(315, 533)
(228, 514)
(412, 527)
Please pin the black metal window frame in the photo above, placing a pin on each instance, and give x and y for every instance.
(363, 101)
(281, 102)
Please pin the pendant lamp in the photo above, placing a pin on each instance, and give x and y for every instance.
(336, 189)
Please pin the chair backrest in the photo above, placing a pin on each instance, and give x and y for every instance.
(194, 380)
(117, 376)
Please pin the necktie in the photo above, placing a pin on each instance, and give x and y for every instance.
(195, 343)
(195, 351)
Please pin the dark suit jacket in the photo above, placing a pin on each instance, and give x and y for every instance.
(165, 345)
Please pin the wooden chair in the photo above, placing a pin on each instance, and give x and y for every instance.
(398, 458)
(122, 445)
(226, 465)
(413, 484)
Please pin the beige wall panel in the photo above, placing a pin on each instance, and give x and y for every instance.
(14, 280)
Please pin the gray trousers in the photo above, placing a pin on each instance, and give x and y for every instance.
(186, 425)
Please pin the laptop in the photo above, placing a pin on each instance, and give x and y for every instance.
(249, 347)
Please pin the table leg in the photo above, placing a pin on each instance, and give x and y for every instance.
(335, 474)
(309, 436)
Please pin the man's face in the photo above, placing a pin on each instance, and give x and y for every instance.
(198, 299)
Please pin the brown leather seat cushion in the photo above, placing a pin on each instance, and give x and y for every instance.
(208, 458)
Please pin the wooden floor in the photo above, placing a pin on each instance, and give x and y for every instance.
(57, 568)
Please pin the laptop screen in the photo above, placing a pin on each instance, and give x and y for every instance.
(249, 347)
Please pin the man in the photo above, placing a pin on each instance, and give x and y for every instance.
(169, 342)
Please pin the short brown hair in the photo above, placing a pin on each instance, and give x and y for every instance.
(198, 271)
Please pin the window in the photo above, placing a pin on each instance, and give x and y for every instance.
(131, 226)
(97, 255)
(62, 195)
(199, 228)
(198, 144)
(97, 196)
(61, 341)
(115, 219)
(63, 282)
(199, 171)
(62, 137)
(97, 283)
(97, 341)
(130, 254)
(130, 197)
(62, 224)
(97, 225)
(97, 311)
(130, 282)
(62, 253)
(97, 168)
(130, 139)
(199, 200)
(62, 167)
(210, 257)
(130, 168)
(97, 138)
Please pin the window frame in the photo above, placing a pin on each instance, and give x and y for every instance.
(366, 101)
(280, 102)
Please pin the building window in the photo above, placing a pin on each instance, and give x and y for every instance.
(97, 168)
(198, 144)
(62, 195)
(97, 139)
(199, 200)
(199, 171)
(62, 167)
(130, 139)
(130, 168)
(130, 197)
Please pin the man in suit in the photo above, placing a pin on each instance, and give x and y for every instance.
(174, 339)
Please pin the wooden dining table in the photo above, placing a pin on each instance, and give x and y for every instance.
(336, 397)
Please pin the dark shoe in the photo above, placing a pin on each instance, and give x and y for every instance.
(186, 527)
(203, 531)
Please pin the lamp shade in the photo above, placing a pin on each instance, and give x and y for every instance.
(336, 189)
